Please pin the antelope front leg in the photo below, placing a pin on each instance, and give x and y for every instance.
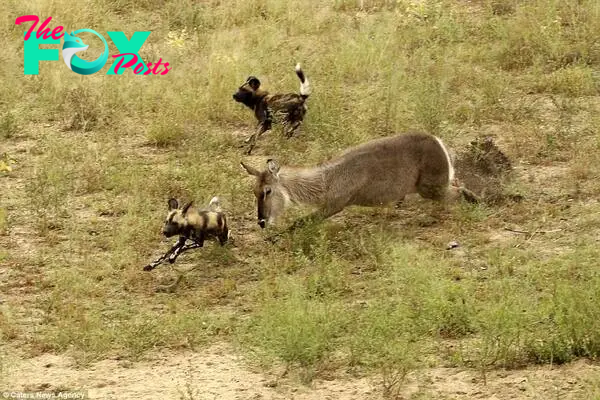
(180, 243)
(314, 218)
(318, 216)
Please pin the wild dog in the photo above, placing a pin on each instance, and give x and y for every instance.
(289, 109)
(375, 173)
(192, 224)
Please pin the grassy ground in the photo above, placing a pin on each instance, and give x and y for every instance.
(94, 159)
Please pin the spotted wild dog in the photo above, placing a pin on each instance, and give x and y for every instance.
(288, 109)
(375, 173)
(192, 224)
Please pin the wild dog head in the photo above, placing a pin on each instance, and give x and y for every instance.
(247, 93)
(176, 222)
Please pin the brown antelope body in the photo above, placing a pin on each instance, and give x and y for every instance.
(375, 173)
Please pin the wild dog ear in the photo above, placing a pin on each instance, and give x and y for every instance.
(185, 208)
(273, 167)
(250, 170)
(253, 82)
(173, 204)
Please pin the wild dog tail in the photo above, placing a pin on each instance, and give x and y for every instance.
(215, 204)
(305, 89)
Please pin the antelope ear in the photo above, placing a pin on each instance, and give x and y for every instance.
(250, 170)
(173, 204)
(273, 167)
(185, 208)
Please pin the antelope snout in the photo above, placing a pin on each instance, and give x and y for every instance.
(262, 223)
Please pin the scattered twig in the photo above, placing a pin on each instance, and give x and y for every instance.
(531, 233)
(170, 288)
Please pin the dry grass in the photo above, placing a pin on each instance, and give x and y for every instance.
(94, 159)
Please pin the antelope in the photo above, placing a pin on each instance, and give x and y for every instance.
(375, 173)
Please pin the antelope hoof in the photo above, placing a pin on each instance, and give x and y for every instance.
(148, 267)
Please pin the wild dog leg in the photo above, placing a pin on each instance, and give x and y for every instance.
(262, 128)
(290, 128)
(180, 250)
(265, 123)
(180, 243)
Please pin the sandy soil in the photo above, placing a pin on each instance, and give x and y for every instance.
(218, 373)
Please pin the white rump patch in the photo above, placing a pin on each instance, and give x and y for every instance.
(450, 167)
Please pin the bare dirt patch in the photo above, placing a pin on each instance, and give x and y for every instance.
(219, 373)
(215, 373)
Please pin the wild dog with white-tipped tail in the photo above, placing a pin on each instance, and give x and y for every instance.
(288, 108)
(192, 224)
(375, 173)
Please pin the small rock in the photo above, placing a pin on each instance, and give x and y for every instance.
(125, 364)
(273, 383)
(362, 303)
(452, 245)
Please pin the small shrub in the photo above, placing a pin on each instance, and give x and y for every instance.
(3, 221)
(572, 81)
(81, 110)
(165, 132)
(8, 125)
